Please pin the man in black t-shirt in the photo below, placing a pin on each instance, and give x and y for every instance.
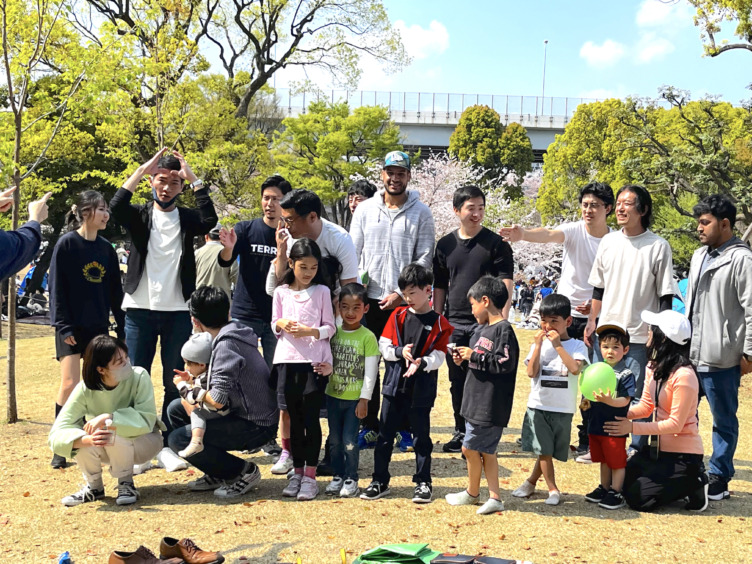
(255, 243)
(461, 258)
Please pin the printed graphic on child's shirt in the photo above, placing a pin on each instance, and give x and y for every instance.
(94, 272)
(486, 345)
(349, 352)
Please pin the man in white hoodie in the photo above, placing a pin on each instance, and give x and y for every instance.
(390, 231)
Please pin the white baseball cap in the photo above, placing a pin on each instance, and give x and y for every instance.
(673, 324)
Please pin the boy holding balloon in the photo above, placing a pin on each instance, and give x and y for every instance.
(611, 386)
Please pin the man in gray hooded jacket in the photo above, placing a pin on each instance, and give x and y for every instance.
(390, 231)
(719, 305)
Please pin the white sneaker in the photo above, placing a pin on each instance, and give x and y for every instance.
(284, 464)
(141, 468)
(170, 461)
(349, 489)
(584, 459)
(335, 486)
(525, 490)
(554, 498)
(492, 506)
(461, 498)
(309, 489)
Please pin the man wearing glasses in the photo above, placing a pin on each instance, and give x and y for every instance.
(632, 272)
(581, 240)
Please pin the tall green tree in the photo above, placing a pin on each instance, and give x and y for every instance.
(480, 139)
(324, 148)
(712, 15)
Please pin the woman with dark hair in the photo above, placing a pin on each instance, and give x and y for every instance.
(670, 468)
(121, 429)
(84, 286)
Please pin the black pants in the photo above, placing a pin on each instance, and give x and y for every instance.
(457, 374)
(393, 411)
(376, 319)
(649, 484)
(305, 426)
(577, 331)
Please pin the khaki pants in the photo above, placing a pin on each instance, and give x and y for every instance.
(121, 457)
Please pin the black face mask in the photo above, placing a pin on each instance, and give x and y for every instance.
(160, 203)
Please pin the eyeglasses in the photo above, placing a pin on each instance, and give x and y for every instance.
(591, 205)
(289, 220)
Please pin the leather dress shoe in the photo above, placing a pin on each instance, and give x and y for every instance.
(142, 555)
(186, 549)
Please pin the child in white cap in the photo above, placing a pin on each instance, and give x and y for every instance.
(196, 353)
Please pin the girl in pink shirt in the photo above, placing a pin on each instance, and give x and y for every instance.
(671, 467)
(303, 321)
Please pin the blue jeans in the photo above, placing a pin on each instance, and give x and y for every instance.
(343, 437)
(722, 390)
(223, 434)
(143, 327)
(263, 330)
(638, 352)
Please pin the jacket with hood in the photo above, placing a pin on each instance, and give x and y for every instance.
(719, 304)
(239, 376)
(387, 242)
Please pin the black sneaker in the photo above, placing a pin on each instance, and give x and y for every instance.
(376, 490)
(612, 500)
(86, 495)
(325, 468)
(127, 493)
(698, 499)
(58, 461)
(597, 495)
(455, 443)
(423, 493)
(272, 448)
(718, 488)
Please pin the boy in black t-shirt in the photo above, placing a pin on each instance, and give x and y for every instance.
(413, 345)
(492, 359)
(461, 258)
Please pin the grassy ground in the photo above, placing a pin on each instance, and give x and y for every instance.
(264, 528)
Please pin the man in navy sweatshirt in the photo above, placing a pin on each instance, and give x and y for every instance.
(21, 246)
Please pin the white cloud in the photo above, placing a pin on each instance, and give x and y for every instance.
(602, 56)
(651, 47)
(420, 42)
(658, 13)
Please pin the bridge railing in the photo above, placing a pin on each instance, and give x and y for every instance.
(451, 104)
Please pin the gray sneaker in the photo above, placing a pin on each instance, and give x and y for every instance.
(127, 494)
(334, 487)
(309, 489)
(205, 484)
(293, 486)
(349, 489)
(249, 478)
(86, 495)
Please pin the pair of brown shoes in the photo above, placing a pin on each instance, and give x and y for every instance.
(171, 551)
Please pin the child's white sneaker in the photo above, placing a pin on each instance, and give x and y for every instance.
(283, 464)
(309, 489)
(554, 498)
(492, 506)
(141, 468)
(334, 486)
(192, 448)
(349, 489)
(525, 490)
(461, 498)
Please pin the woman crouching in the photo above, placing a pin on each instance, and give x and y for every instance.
(121, 426)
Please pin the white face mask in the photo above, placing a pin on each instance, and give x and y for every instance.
(122, 373)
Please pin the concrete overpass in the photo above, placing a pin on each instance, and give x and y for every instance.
(427, 119)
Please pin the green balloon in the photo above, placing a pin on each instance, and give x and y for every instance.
(597, 376)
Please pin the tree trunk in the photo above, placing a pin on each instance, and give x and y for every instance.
(12, 408)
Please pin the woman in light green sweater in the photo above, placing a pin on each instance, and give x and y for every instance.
(115, 393)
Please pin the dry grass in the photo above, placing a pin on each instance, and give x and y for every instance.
(35, 527)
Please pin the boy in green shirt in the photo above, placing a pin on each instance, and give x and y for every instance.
(355, 353)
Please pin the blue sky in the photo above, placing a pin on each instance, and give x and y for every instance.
(596, 49)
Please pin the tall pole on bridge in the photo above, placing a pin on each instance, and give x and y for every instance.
(545, 48)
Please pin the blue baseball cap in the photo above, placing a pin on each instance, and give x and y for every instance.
(397, 158)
